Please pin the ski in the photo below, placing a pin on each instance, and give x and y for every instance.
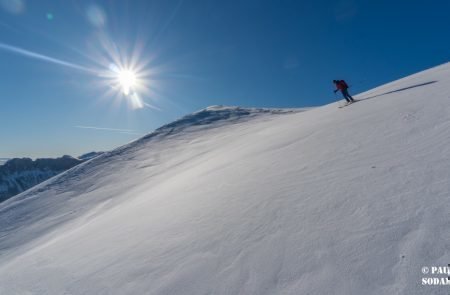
(347, 104)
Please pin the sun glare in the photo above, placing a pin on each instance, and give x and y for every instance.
(125, 75)
(127, 81)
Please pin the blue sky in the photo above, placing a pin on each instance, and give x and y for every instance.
(192, 54)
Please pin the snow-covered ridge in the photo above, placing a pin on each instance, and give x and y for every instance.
(89, 155)
(328, 201)
(219, 115)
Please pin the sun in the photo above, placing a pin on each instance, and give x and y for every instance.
(127, 80)
(124, 73)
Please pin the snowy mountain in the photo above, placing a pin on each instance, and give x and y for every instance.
(250, 201)
(20, 174)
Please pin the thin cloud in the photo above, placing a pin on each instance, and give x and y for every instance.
(106, 129)
(132, 133)
(151, 106)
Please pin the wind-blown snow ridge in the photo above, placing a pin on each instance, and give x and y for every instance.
(218, 114)
(238, 201)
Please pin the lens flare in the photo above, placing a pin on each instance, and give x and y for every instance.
(96, 16)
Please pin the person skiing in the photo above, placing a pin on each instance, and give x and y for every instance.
(343, 87)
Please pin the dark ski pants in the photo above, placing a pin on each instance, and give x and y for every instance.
(347, 96)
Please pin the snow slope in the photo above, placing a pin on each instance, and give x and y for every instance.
(250, 201)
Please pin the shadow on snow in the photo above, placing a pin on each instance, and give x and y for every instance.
(401, 89)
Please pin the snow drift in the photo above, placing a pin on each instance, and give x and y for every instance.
(250, 201)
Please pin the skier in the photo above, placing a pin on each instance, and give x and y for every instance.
(343, 87)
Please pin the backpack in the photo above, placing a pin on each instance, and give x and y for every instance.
(342, 82)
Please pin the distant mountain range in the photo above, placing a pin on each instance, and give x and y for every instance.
(19, 174)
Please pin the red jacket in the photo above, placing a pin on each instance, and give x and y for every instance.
(341, 85)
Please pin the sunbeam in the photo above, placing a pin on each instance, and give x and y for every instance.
(43, 57)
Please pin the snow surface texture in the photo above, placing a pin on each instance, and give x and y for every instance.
(250, 201)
